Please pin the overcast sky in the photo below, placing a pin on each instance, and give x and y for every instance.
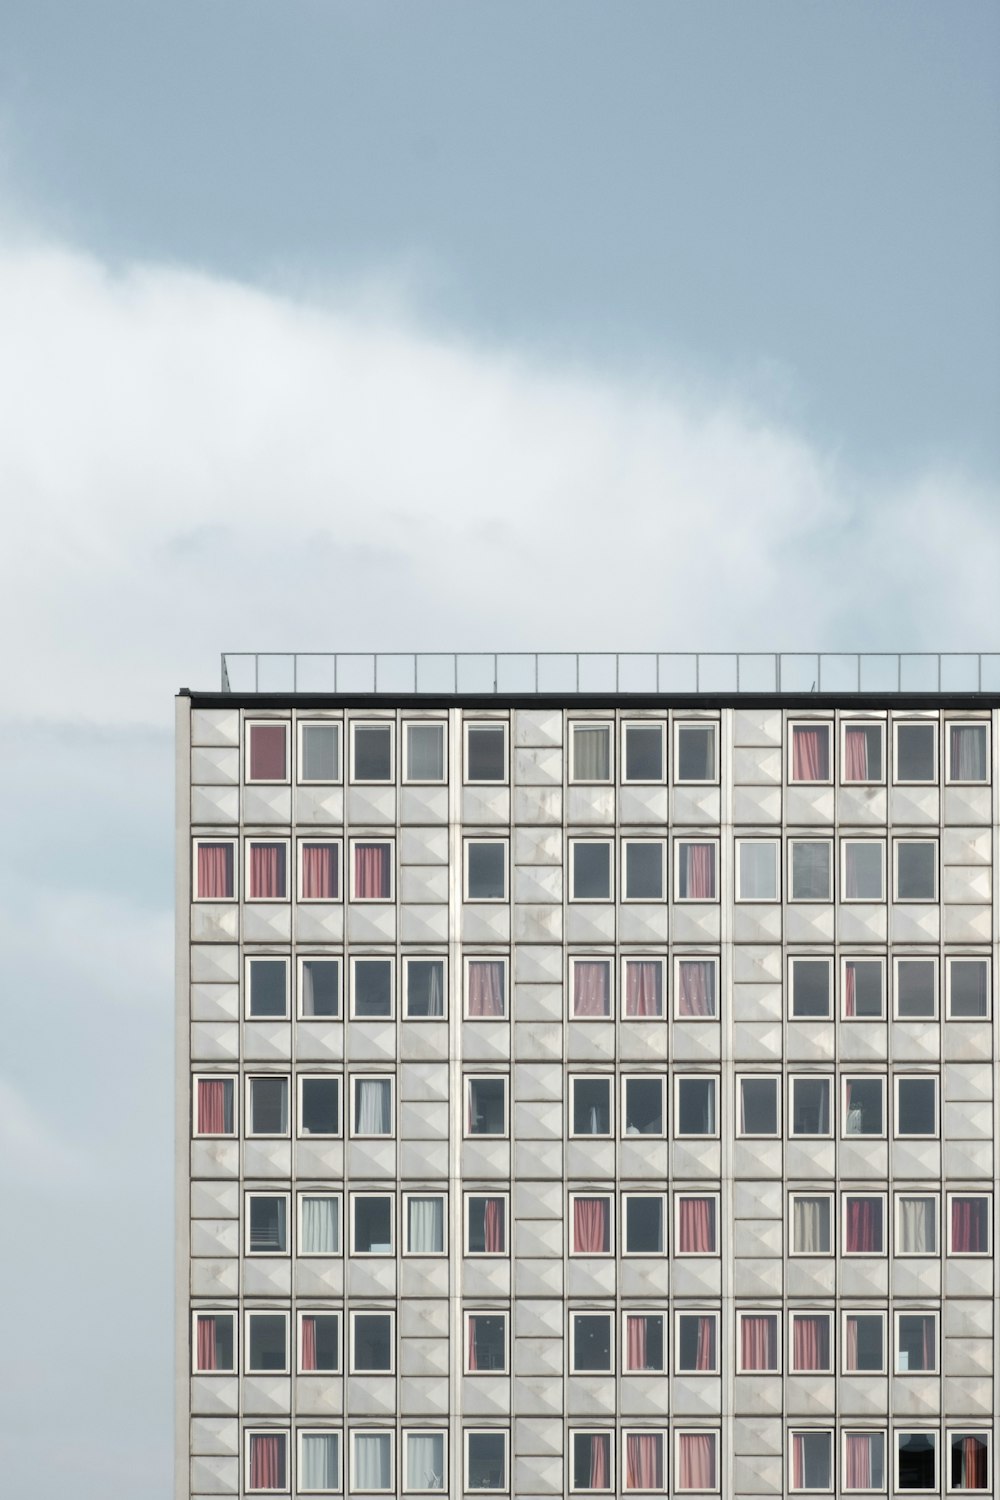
(636, 324)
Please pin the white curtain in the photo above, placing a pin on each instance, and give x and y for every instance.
(916, 1226)
(426, 1225)
(759, 872)
(811, 1226)
(425, 1461)
(373, 1106)
(968, 752)
(372, 1467)
(320, 1461)
(435, 991)
(425, 752)
(320, 1226)
(591, 754)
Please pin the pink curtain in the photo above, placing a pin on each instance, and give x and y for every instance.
(696, 995)
(591, 1226)
(858, 1454)
(473, 1364)
(759, 1341)
(635, 1342)
(267, 1462)
(215, 872)
(309, 1344)
(644, 1461)
(696, 1454)
(700, 884)
(811, 754)
(855, 754)
(864, 1226)
(969, 1226)
(371, 872)
(214, 1118)
(485, 988)
(705, 1350)
(319, 872)
(798, 1461)
(850, 991)
(493, 1226)
(811, 1342)
(267, 752)
(973, 1461)
(643, 988)
(267, 871)
(696, 1226)
(600, 1460)
(206, 1344)
(591, 991)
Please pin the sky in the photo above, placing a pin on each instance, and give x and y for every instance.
(542, 324)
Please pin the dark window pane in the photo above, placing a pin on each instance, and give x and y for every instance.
(695, 752)
(810, 988)
(592, 872)
(372, 752)
(592, 1106)
(915, 752)
(372, 987)
(592, 1341)
(320, 1106)
(486, 872)
(759, 1106)
(643, 752)
(485, 753)
(915, 987)
(267, 987)
(267, 1341)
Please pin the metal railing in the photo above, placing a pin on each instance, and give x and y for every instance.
(488, 672)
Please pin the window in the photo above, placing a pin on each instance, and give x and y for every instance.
(864, 869)
(592, 1467)
(486, 1105)
(425, 1463)
(916, 1343)
(371, 1343)
(424, 988)
(371, 988)
(485, 869)
(213, 1343)
(696, 1111)
(590, 758)
(372, 1112)
(371, 1461)
(697, 1218)
(268, 1112)
(371, 1223)
(697, 1343)
(810, 1344)
(423, 752)
(267, 988)
(644, 1461)
(916, 1460)
(969, 1461)
(642, 1106)
(319, 1462)
(267, 1461)
(697, 1462)
(810, 1106)
(644, 1350)
(916, 752)
(811, 1460)
(371, 870)
(485, 988)
(811, 1214)
(319, 1343)
(864, 1223)
(810, 753)
(319, 1105)
(864, 1343)
(864, 1461)
(591, 988)
(757, 1106)
(696, 867)
(642, 758)
(696, 989)
(590, 1342)
(425, 1226)
(968, 986)
(485, 1224)
(215, 1106)
(319, 1224)
(757, 1342)
(267, 752)
(644, 989)
(757, 870)
(485, 1459)
(643, 1226)
(590, 870)
(267, 870)
(916, 988)
(590, 1219)
(214, 870)
(590, 1106)
(810, 982)
(319, 870)
(371, 752)
(485, 1343)
(862, 753)
(319, 988)
(695, 755)
(486, 753)
(811, 873)
(969, 1216)
(643, 874)
(319, 752)
(864, 1106)
(916, 1224)
(863, 989)
(916, 869)
(916, 1106)
(968, 753)
(267, 1343)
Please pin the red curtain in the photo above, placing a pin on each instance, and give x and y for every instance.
(759, 1341)
(206, 1344)
(696, 1455)
(214, 1095)
(811, 754)
(267, 1462)
(850, 991)
(493, 1226)
(696, 1226)
(267, 752)
(643, 988)
(267, 872)
(309, 1344)
(319, 872)
(973, 1463)
(600, 1461)
(855, 754)
(371, 872)
(969, 1226)
(700, 882)
(644, 1461)
(798, 1461)
(215, 872)
(591, 1226)
(635, 1342)
(811, 1343)
(858, 1459)
(591, 991)
(864, 1226)
(473, 1364)
(696, 995)
(485, 988)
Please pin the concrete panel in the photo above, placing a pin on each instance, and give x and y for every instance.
(862, 923)
(588, 922)
(484, 806)
(914, 806)
(214, 805)
(756, 806)
(423, 804)
(538, 804)
(215, 1042)
(319, 805)
(696, 805)
(215, 1476)
(267, 1041)
(370, 806)
(215, 923)
(861, 806)
(267, 923)
(423, 883)
(695, 922)
(423, 846)
(541, 726)
(264, 806)
(215, 1002)
(645, 806)
(538, 883)
(807, 806)
(540, 767)
(215, 726)
(485, 924)
(757, 766)
(371, 922)
(967, 924)
(757, 726)
(757, 924)
(319, 923)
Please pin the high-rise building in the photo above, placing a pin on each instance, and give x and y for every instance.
(588, 1089)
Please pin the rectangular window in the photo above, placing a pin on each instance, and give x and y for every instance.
(590, 1342)
(695, 753)
(592, 1462)
(425, 1462)
(864, 1106)
(486, 869)
(267, 1343)
(644, 989)
(863, 989)
(590, 756)
(916, 1460)
(811, 869)
(697, 1459)
(864, 1343)
(916, 1343)
(268, 1106)
(968, 987)
(696, 989)
(372, 1111)
(969, 1461)
(215, 1106)
(371, 1224)
(810, 753)
(862, 753)
(371, 988)
(812, 1215)
(371, 753)
(267, 752)
(424, 752)
(697, 1343)
(644, 868)
(916, 752)
(916, 1224)
(319, 1105)
(864, 1462)
(424, 1215)
(319, 870)
(757, 1108)
(371, 870)
(969, 1218)
(371, 1461)
(319, 752)
(810, 981)
(696, 871)
(916, 1106)
(916, 869)
(590, 1220)
(267, 988)
(642, 1106)
(811, 1461)
(214, 870)
(485, 1459)
(319, 1343)
(643, 1224)
(319, 1463)
(486, 753)
(485, 1224)
(485, 988)
(644, 1350)
(590, 1106)
(916, 988)
(424, 988)
(486, 1105)
(319, 988)
(968, 753)
(810, 1106)
(319, 1224)
(757, 1342)
(372, 1343)
(590, 980)
(864, 1223)
(591, 870)
(267, 870)
(757, 870)
(697, 1223)
(810, 1344)
(696, 1112)
(267, 1461)
(485, 1343)
(643, 759)
(213, 1343)
(643, 1462)
(864, 869)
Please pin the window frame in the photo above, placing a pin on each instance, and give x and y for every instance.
(812, 1312)
(478, 839)
(933, 900)
(389, 1078)
(811, 723)
(649, 841)
(493, 958)
(504, 1197)
(304, 958)
(365, 722)
(907, 1431)
(962, 723)
(370, 841)
(371, 1312)
(684, 1077)
(485, 1312)
(793, 841)
(645, 1312)
(798, 1430)
(862, 1312)
(301, 843)
(468, 1432)
(338, 1197)
(915, 1312)
(405, 1250)
(573, 843)
(468, 1079)
(643, 958)
(969, 1429)
(950, 1196)
(907, 1077)
(575, 1432)
(880, 1254)
(493, 724)
(852, 1076)
(899, 1197)
(681, 1196)
(232, 1314)
(609, 1198)
(271, 958)
(663, 1434)
(713, 1433)
(197, 1134)
(366, 956)
(758, 1312)
(574, 1135)
(252, 840)
(249, 1433)
(851, 842)
(911, 957)
(308, 1075)
(423, 958)
(352, 1199)
(828, 1079)
(916, 723)
(773, 843)
(319, 1312)
(304, 1432)
(689, 841)
(862, 958)
(794, 959)
(266, 1312)
(627, 1196)
(740, 1133)
(679, 725)
(263, 723)
(252, 1077)
(862, 723)
(714, 958)
(794, 1194)
(591, 958)
(624, 727)
(625, 1078)
(405, 1434)
(608, 725)
(591, 1312)
(982, 958)
(694, 1312)
(234, 845)
(390, 1433)
(428, 722)
(318, 723)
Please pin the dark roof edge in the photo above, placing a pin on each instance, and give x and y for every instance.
(590, 700)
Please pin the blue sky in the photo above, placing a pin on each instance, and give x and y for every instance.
(331, 326)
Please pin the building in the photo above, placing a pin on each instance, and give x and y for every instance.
(588, 1090)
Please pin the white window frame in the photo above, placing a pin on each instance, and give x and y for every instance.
(366, 840)
(319, 723)
(300, 845)
(830, 1197)
(492, 958)
(271, 1135)
(854, 1076)
(645, 1312)
(862, 1312)
(684, 1077)
(393, 1236)
(368, 957)
(897, 1248)
(592, 1312)
(197, 1134)
(628, 843)
(850, 843)
(949, 725)
(969, 1430)
(309, 1075)
(901, 1430)
(858, 723)
(906, 723)
(631, 1076)
(504, 843)
(626, 1253)
(252, 1432)
(801, 1431)
(828, 1079)
(265, 1312)
(773, 1078)
(215, 1312)
(272, 958)
(915, 1312)
(861, 958)
(695, 723)
(679, 1198)
(373, 723)
(644, 958)
(390, 1433)
(811, 958)
(504, 1432)
(317, 1254)
(791, 897)
(932, 1135)
(338, 959)
(687, 841)
(319, 1312)
(371, 1312)
(248, 843)
(442, 1433)
(504, 1197)
(468, 1079)
(698, 958)
(485, 1312)
(858, 1431)
(712, 1432)
(775, 844)
(591, 958)
(626, 725)
(983, 958)
(424, 958)
(930, 958)
(609, 1079)
(590, 724)
(304, 1432)
(817, 723)
(664, 1437)
(195, 846)
(389, 1078)
(586, 1489)
(423, 1254)
(262, 723)
(863, 1254)
(970, 1193)
(608, 1254)
(428, 722)
(502, 725)
(757, 1312)
(916, 900)
(573, 843)
(813, 1312)
(694, 1312)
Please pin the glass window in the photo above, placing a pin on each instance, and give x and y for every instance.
(916, 1224)
(215, 1106)
(644, 988)
(697, 1462)
(485, 1343)
(968, 753)
(485, 869)
(863, 989)
(864, 869)
(590, 1337)
(643, 1224)
(213, 1343)
(319, 1462)
(590, 870)
(319, 752)
(862, 753)
(486, 1459)
(425, 1463)
(810, 987)
(372, 1223)
(696, 989)
(319, 1224)
(864, 1223)
(810, 1344)
(371, 1342)
(371, 750)
(916, 988)
(643, 758)
(811, 1460)
(319, 1343)
(267, 1343)
(372, 1114)
(864, 1343)
(916, 1343)
(864, 1106)
(590, 1218)
(916, 869)
(916, 1460)
(811, 869)
(319, 870)
(644, 868)
(424, 987)
(811, 1223)
(319, 988)
(267, 987)
(969, 1461)
(696, 1111)
(757, 1106)
(485, 1224)
(642, 1106)
(757, 1342)
(425, 1226)
(916, 752)
(697, 1223)
(810, 747)
(757, 870)
(486, 753)
(968, 989)
(695, 752)
(267, 1461)
(319, 1105)
(916, 1106)
(864, 1461)
(486, 1105)
(371, 988)
(969, 1216)
(424, 752)
(267, 873)
(268, 1114)
(810, 1106)
(591, 752)
(267, 752)
(590, 1106)
(644, 1350)
(697, 1343)
(696, 867)
(214, 870)
(591, 988)
(485, 988)
(644, 1464)
(592, 1466)
(371, 1461)
(372, 870)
